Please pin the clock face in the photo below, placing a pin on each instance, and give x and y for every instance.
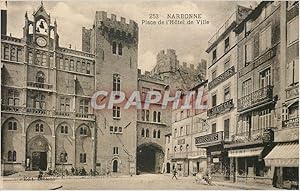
(41, 41)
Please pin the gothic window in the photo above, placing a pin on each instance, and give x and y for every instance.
(88, 68)
(83, 131)
(116, 112)
(12, 126)
(84, 106)
(158, 116)
(12, 156)
(44, 59)
(147, 115)
(30, 57)
(147, 132)
(72, 65)
(78, 66)
(116, 82)
(154, 116)
(120, 130)
(154, 133)
(82, 157)
(39, 102)
(65, 104)
(120, 49)
(114, 48)
(158, 134)
(6, 53)
(83, 67)
(66, 65)
(13, 54)
(64, 129)
(116, 150)
(40, 77)
(39, 128)
(143, 132)
(19, 55)
(13, 97)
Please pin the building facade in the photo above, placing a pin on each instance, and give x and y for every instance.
(222, 94)
(187, 125)
(261, 106)
(46, 117)
(152, 126)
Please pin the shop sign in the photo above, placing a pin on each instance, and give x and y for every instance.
(214, 137)
(220, 108)
(245, 152)
(221, 78)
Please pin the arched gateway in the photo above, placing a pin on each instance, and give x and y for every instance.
(150, 158)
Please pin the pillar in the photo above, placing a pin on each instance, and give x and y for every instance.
(236, 170)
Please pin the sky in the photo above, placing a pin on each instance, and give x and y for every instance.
(189, 41)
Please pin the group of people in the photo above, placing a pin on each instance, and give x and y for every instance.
(206, 178)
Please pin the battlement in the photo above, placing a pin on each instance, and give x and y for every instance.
(101, 18)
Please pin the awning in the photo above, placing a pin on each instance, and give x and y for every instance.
(283, 155)
(245, 152)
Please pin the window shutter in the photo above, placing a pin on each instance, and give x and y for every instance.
(290, 74)
(296, 62)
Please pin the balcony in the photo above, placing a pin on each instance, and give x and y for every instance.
(12, 108)
(226, 106)
(64, 113)
(249, 138)
(291, 123)
(38, 85)
(211, 139)
(255, 98)
(292, 92)
(85, 116)
(221, 78)
(37, 111)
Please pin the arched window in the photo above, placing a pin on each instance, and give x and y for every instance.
(147, 115)
(116, 82)
(81, 157)
(66, 129)
(39, 128)
(114, 48)
(158, 117)
(158, 134)
(154, 116)
(143, 132)
(40, 77)
(175, 149)
(14, 157)
(187, 146)
(154, 133)
(12, 126)
(181, 148)
(120, 51)
(85, 131)
(9, 156)
(147, 132)
(62, 129)
(81, 130)
(84, 157)
(143, 115)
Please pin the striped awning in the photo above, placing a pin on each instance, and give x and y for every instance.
(283, 155)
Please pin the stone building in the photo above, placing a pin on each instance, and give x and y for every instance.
(152, 126)
(187, 125)
(222, 87)
(46, 117)
(262, 107)
(115, 46)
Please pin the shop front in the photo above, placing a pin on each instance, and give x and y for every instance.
(284, 158)
(217, 160)
(249, 165)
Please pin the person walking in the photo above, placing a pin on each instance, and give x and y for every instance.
(174, 174)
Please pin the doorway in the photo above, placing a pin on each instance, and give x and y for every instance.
(168, 167)
(115, 166)
(39, 160)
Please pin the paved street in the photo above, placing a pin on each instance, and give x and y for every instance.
(145, 181)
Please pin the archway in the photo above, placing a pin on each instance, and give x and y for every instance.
(39, 151)
(149, 158)
(115, 166)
